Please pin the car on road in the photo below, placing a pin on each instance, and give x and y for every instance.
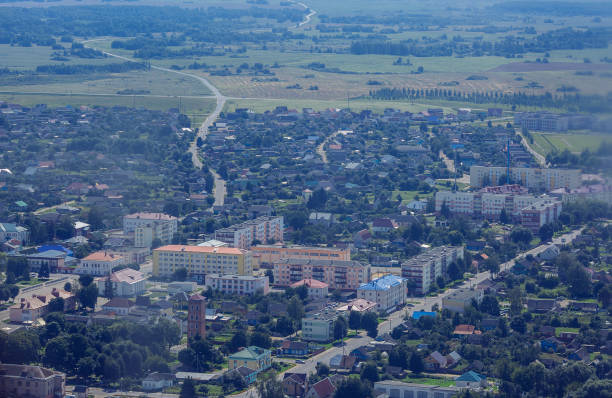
(299, 361)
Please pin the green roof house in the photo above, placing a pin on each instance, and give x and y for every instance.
(256, 358)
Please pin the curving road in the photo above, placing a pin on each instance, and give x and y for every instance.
(539, 158)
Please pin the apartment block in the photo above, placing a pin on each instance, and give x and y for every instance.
(423, 269)
(399, 389)
(319, 327)
(388, 292)
(201, 260)
(598, 192)
(147, 227)
(344, 275)
(265, 229)
(542, 121)
(269, 254)
(532, 178)
(238, 284)
(542, 212)
(485, 203)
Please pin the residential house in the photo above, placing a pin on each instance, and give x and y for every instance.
(541, 305)
(119, 305)
(383, 225)
(471, 379)
(358, 305)
(321, 218)
(435, 361)
(465, 330)
(550, 253)
(343, 362)
(321, 389)
(581, 354)
(294, 348)
(316, 289)
(256, 358)
(99, 263)
(453, 359)
(295, 384)
(157, 381)
(248, 375)
(550, 344)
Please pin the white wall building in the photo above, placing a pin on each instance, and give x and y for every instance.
(125, 283)
(265, 229)
(147, 227)
(387, 292)
(533, 178)
(10, 231)
(316, 289)
(398, 389)
(423, 269)
(238, 284)
(99, 263)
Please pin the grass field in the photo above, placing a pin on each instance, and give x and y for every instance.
(429, 380)
(545, 143)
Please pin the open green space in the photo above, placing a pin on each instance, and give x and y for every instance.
(545, 143)
(434, 381)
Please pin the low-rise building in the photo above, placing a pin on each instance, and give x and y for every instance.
(460, 299)
(31, 309)
(125, 283)
(9, 231)
(319, 327)
(52, 259)
(26, 381)
(256, 358)
(119, 306)
(201, 260)
(99, 263)
(388, 292)
(397, 389)
(238, 284)
(359, 305)
(471, 379)
(316, 289)
(157, 381)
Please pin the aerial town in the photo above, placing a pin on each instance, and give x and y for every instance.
(300, 200)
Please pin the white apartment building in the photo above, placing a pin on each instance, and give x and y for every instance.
(319, 327)
(201, 260)
(125, 283)
(533, 178)
(265, 229)
(238, 284)
(99, 263)
(147, 227)
(399, 389)
(387, 292)
(460, 299)
(422, 270)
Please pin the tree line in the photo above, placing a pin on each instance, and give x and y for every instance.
(64, 69)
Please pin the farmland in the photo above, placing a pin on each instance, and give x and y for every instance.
(545, 143)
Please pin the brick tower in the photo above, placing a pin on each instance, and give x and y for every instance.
(196, 316)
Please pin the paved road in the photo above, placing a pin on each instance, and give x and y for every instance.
(539, 158)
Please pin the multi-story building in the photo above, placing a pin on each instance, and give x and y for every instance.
(542, 212)
(99, 263)
(532, 178)
(196, 316)
(201, 260)
(238, 284)
(10, 231)
(344, 275)
(53, 259)
(256, 358)
(487, 203)
(387, 292)
(269, 254)
(397, 389)
(598, 192)
(319, 327)
(542, 121)
(147, 227)
(422, 270)
(460, 299)
(265, 229)
(316, 289)
(26, 381)
(125, 283)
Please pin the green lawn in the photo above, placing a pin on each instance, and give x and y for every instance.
(564, 329)
(408, 196)
(31, 282)
(545, 143)
(434, 381)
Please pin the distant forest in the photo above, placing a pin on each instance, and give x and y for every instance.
(560, 39)
(571, 102)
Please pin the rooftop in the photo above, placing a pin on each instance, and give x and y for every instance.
(383, 283)
(102, 256)
(200, 249)
(150, 216)
(311, 283)
(251, 352)
(127, 275)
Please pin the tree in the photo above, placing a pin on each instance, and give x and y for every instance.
(546, 232)
(354, 320)
(56, 305)
(295, 309)
(521, 235)
(353, 388)
(516, 300)
(489, 305)
(370, 372)
(339, 328)
(270, 387)
(369, 321)
(188, 389)
(605, 296)
(270, 274)
(109, 292)
(21, 347)
(85, 367)
(85, 280)
(95, 218)
(56, 353)
(261, 339)
(169, 331)
(518, 324)
(180, 274)
(68, 286)
(239, 339)
(88, 296)
(503, 217)
(318, 199)
(416, 362)
(322, 369)
(44, 271)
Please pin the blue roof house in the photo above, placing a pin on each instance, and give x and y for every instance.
(388, 292)
(471, 379)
